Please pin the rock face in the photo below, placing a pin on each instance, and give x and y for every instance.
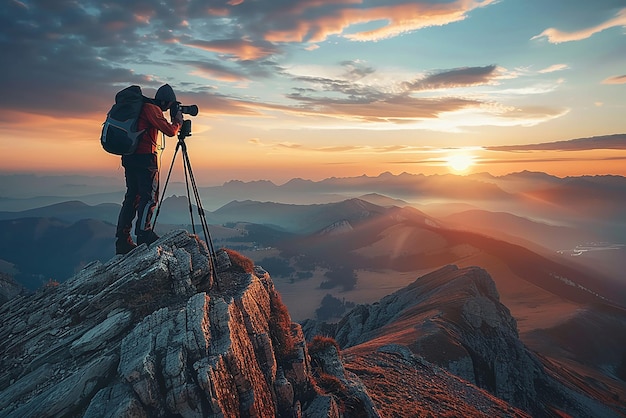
(154, 334)
(9, 288)
(453, 318)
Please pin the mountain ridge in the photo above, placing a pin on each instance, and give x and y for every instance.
(156, 333)
(453, 318)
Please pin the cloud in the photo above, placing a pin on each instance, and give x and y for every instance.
(376, 107)
(617, 142)
(316, 21)
(531, 160)
(617, 79)
(458, 77)
(289, 145)
(215, 70)
(556, 36)
(74, 56)
(554, 68)
(356, 96)
(367, 149)
(236, 48)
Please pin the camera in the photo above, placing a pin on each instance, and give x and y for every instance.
(186, 109)
(185, 129)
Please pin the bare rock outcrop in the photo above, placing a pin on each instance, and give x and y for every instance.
(155, 334)
(453, 318)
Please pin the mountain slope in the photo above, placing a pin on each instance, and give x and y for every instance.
(70, 211)
(502, 224)
(453, 318)
(44, 249)
(404, 239)
(302, 219)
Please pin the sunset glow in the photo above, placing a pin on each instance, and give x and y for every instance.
(316, 90)
(460, 163)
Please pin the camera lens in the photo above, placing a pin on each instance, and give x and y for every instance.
(189, 110)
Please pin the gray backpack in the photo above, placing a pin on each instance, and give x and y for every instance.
(119, 131)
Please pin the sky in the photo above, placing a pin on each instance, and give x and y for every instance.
(323, 88)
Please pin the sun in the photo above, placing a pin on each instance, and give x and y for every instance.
(460, 163)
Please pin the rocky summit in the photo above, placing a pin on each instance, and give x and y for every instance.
(166, 331)
(154, 334)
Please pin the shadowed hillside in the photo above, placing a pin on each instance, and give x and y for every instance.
(44, 249)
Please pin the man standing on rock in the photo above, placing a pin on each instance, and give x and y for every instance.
(142, 172)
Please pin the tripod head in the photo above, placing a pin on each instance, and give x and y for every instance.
(185, 130)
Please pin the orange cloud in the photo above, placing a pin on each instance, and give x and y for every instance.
(395, 20)
(240, 48)
(217, 74)
(618, 79)
(404, 18)
(219, 105)
(553, 68)
(556, 36)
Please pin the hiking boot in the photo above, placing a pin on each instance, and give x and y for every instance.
(146, 237)
(124, 245)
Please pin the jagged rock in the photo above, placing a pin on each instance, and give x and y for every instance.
(453, 318)
(154, 334)
(352, 391)
(99, 335)
(323, 407)
(115, 401)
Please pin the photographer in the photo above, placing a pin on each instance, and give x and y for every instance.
(142, 172)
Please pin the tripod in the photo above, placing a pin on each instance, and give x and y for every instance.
(190, 180)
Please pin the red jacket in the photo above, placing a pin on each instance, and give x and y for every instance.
(152, 120)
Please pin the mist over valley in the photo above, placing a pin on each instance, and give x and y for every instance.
(554, 247)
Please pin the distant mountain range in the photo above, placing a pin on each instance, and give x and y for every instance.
(66, 236)
(590, 202)
(526, 191)
(384, 232)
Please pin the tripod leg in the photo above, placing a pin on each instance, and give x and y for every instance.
(201, 214)
(185, 170)
(156, 215)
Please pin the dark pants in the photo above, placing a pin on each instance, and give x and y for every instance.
(142, 194)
